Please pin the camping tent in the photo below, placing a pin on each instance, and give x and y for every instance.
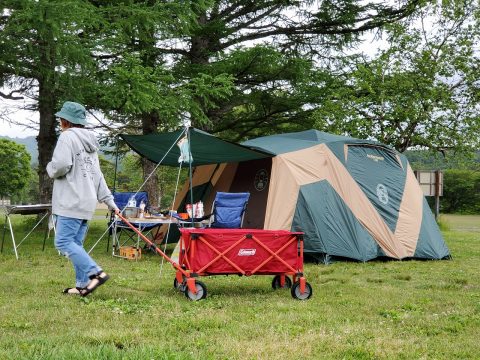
(352, 198)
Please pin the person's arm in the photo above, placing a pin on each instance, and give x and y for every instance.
(61, 161)
(104, 195)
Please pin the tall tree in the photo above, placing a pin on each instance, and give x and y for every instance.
(421, 91)
(266, 48)
(43, 51)
(136, 87)
(155, 60)
(271, 48)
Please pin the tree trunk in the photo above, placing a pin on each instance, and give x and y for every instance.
(149, 126)
(199, 54)
(151, 186)
(46, 141)
(47, 138)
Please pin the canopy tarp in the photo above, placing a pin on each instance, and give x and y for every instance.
(204, 147)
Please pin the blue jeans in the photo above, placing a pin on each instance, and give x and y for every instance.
(69, 237)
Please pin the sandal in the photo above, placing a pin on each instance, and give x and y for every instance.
(73, 291)
(95, 281)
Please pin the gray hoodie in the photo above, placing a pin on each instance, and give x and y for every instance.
(79, 183)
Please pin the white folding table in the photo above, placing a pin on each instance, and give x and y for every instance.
(43, 210)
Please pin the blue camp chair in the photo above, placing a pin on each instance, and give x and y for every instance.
(228, 210)
(121, 200)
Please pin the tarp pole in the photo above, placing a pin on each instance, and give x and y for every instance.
(190, 171)
(116, 165)
(113, 190)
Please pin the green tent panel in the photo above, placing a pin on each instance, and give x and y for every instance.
(430, 243)
(375, 176)
(330, 226)
(205, 148)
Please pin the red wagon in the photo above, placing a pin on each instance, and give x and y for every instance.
(236, 251)
(242, 252)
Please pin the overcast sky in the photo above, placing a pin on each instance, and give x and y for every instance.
(18, 131)
(23, 117)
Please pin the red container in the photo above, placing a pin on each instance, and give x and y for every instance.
(236, 251)
(241, 251)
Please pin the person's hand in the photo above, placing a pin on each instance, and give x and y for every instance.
(117, 211)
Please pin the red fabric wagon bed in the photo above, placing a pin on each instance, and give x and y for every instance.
(245, 252)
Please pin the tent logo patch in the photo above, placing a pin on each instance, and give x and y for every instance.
(375, 158)
(382, 194)
(247, 252)
(261, 180)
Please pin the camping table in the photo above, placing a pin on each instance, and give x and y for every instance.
(45, 209)
(141, 224)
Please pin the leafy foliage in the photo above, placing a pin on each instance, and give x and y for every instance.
(431, 160)
(244, 69)
(29, 194)
(461, 192)
(14, 168)
(43, 41)
(422, 91)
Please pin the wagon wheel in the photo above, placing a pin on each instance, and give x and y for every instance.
(201, 291)
(178, 285)
(298, 295)
(276, 282)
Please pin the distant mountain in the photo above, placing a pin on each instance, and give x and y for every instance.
(30, 143)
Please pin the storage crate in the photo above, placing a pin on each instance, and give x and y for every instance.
(130, 252)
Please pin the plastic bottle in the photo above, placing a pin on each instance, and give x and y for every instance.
(200, 212)
(142, 209)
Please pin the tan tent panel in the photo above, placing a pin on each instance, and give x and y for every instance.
(410, 214)
(294, 169)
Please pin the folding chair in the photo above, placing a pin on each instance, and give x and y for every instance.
(119, 228)
(228, 210)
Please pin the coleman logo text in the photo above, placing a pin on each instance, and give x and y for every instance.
(246, 252)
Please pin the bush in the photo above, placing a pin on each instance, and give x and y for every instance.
(461, 192)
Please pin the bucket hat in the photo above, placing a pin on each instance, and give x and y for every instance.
(73, 112)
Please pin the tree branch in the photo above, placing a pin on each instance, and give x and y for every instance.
(11, 96)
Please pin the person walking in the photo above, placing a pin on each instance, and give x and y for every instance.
(78, 186)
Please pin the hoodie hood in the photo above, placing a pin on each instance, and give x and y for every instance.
(87, 138)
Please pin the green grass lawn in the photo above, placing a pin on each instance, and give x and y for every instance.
(375, 310)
